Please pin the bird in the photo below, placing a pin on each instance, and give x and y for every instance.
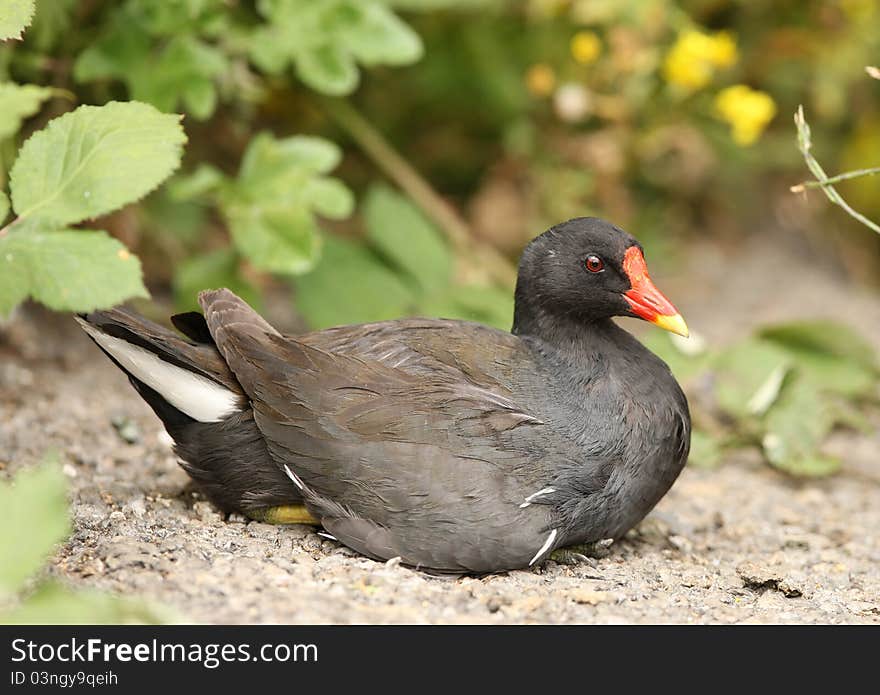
(444, 445)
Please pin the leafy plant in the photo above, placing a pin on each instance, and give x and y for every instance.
(783, 389)
(403, 266)
(270, 207)
(82, 165)
(163, 52)
(326, 39)
(34, 519)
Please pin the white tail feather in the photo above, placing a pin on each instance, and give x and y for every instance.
(197, 396)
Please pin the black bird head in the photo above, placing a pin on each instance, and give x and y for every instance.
(586, 270)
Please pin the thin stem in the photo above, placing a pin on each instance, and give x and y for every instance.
(799, 188)
(414, 185)
(804, 144)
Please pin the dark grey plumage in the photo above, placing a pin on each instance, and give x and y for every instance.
(454, 446)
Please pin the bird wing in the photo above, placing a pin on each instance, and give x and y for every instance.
(425, 463)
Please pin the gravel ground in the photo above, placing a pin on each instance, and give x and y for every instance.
(737, 544)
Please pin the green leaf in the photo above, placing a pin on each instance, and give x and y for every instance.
(795, 428)
(276, 238)
(94, 160)
(54, 604)
(377, 36)
(325, 38)
(742, 369)
(833, 355)
(204, 179)
(18, 102)
(185, 70)
(330, 198)
(271, 206)
(210, 271)
(271, 162)
(823, 337)
(350, 285)
(14, 278)
(399, 232)
(327, 69)
(33, 520)
(15, 15)
(52, 21)
(182, 70)
(67, 270)
(4, 207)
(121, 51)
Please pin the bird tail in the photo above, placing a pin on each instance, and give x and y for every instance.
(189, 386)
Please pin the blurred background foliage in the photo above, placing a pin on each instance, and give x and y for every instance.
(670, 118)
(377, 158)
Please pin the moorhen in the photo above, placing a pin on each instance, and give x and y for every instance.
(447, 444)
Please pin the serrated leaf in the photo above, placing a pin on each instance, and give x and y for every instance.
(4, 207)
(18, 102)
(742, 369)
(15, 15)
(208, 271)
(54, 604)
(67, 270)
(94, 160)
(33, 519)
(350, 285)
(400, 233)
(795, 428)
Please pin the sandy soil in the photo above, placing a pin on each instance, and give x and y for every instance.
(737, 544)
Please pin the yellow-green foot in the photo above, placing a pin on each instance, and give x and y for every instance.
(586, 553)
(287, 514)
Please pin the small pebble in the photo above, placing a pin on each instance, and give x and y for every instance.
(127, 429)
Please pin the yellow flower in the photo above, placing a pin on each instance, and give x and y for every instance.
(722, 52)
(693, 59)
(541, 80)
(859, 10)
(747, 110)
(585, 47)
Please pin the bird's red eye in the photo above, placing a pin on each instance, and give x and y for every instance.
(594, 264)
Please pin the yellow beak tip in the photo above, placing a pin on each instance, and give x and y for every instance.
(674, 324)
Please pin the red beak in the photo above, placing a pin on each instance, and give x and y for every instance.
(645, 300)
